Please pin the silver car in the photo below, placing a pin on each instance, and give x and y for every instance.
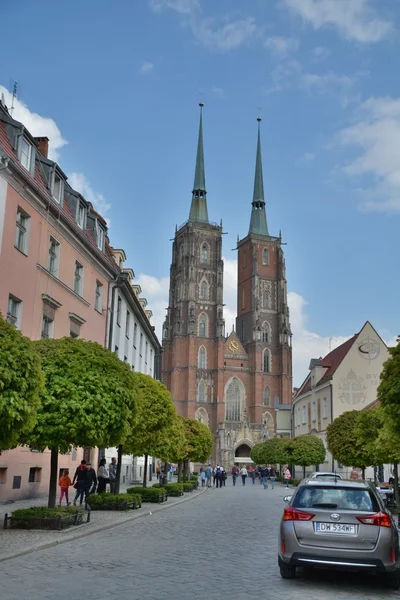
(338, 524)
(319, 474)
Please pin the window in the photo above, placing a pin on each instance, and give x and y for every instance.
(151, 361)
(232, 412)
(314, 411)
(202, 326)
(304, 415)
(146, 352)
(75, 326)
(324, 409)
(3, 475)
(265, 333)
(25, 154)
(16, 482)
(342, 498)
(201, 391)
(243, 298)
(134, 334)
(265, 299)
(267, 396)
(99, 236)
(80, 215)
(54, 253)
(204, 253)
(58, 188)
(119, 305)
(266, 361)
(98, 301)
(127, 324)
(125, 359)
(265, 256)
(21, 232)
(47, 327)
(203, 290)
(35, 475)
(14, 311)
(202, 358)
(116, 349)
(78, 279)
(141, 344)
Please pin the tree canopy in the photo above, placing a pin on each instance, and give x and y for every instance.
(200, 441)
(389, 389)
(174, 446)
(344, 443)
(270, 451)
(305, 450)
(21, 382)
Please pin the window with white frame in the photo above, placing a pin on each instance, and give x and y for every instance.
(78, 278)
(146, 353)
(151, 361)
(204, 254)
(134, 334)
(304, 415)
(314, 411)
(22, 231)
(267, 396)
(58, 188)
(140, 351)
(48, 321)
(14, 311)
(127, 324)
(265, 256)
(203, 290)
(324, 408)
(119, 306)
(265, 333)
(98, 301)
(54, 255)
(100, 235)
(201, 391)
(202, 358)
(202, 326)
(80, 215)
(233, 401)
(265, 299)
(266, 361)
(25, 154)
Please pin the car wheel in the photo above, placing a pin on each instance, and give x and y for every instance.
(287, 571)
(393, 581)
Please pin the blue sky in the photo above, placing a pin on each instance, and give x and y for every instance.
(116, 86)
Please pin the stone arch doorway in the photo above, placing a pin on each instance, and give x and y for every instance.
(242, 451)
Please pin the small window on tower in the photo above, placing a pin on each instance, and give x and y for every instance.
(203, 291)
(265, 300)
(204, 253)
(202, 326)
(265, 257)
(266, 361)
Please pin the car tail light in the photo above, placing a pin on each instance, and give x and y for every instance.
(292, 514)
(379, 519)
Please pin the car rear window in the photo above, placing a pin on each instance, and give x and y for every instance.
(340, 498)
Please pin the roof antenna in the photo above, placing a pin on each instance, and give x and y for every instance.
(14, 96)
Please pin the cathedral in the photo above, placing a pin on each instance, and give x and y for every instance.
(240, 384)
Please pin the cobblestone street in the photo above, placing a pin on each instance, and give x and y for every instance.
(222, 544)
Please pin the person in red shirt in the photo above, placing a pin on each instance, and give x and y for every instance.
(235, 473)
(64, 482)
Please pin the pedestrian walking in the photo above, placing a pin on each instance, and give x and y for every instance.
(80, 482)
(235, 473)
(264, 477)
(91, 481)
(243, 473)
(214, 476)
(65, 483)
(223, 476)
(102, 476)
(287, 475)
(218, 477)
(209, 474)
(158, 471)
(272, 476)
(354, 474)
(203, 478)
(252, 474)
(112, 473)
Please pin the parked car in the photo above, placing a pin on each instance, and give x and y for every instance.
(318, 474)
(338, 524)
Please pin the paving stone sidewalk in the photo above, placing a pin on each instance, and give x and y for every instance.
(18, 541)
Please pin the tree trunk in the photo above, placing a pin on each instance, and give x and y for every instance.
(304, 471)
(53, 477)
(146, 460)
(185, 470)
(179, 471)
(119, 469)
(363, 473)
(396, 483)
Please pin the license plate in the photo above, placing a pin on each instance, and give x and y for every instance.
(338, 528)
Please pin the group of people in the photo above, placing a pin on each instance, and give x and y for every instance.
(216, 476)
(86, 482)
(213, 476)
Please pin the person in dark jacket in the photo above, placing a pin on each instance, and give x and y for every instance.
(80, 482)
(264, 476)
(91, 480)
(272, 476)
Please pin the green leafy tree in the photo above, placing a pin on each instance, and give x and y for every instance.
(345, 445)
(389, 389)
(368, 427)
(21, 381)
(155, 417)
(89, 399)
(270, 451)
(305, 450)
(388, 447)
(256, 454)
(200, 441)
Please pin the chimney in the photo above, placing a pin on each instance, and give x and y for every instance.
(43, 145)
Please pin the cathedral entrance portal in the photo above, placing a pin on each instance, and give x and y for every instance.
(242, 451)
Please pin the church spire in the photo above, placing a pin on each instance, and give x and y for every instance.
(258, 221)
(198, 209)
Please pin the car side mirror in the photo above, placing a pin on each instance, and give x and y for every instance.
(287, 498)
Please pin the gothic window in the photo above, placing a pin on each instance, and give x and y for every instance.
(201, 415)
(265, 333)
(267, 395)
(203, 290)
(202, 326)
(265, 256)
(232, 412)
(202, 358)
(266, 361)
(204, 254)
(201, 391)
(265, 299)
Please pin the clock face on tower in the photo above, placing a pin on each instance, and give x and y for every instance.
(233, 346)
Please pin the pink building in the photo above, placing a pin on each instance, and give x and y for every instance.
(55, 270)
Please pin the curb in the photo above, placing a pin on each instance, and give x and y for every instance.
(99, 528)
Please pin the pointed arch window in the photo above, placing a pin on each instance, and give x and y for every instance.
(202, 358)
(201, 391)
(232, 412)
(265, 256)
(265, 299)
(202, 326)
(204, 254)
(267, 396)
(266, 361)
(265, 333)
(181, 254)
(203, 290)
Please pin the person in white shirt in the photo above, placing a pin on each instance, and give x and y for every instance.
(243, 473)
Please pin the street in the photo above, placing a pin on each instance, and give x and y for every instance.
(220, 545)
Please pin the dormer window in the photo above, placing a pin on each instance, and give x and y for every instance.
(80, 215)
(99, 236)
(26, 154)
(58, 188)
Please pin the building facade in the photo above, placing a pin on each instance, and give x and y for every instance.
(240, 385)
(345, 379)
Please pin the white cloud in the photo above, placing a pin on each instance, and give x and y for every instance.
(182, 7)
(37, 125)
(354, 19)
(218, 91)
(79, 183)
(280, 45)
(321, 52)
(326, 79)
(305, 159)
(146, 67)
(376, 133)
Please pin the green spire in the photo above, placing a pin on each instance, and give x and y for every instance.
(198, 209)
(258, 221)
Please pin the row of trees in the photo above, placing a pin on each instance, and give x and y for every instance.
(304, 450)
(66, 393)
